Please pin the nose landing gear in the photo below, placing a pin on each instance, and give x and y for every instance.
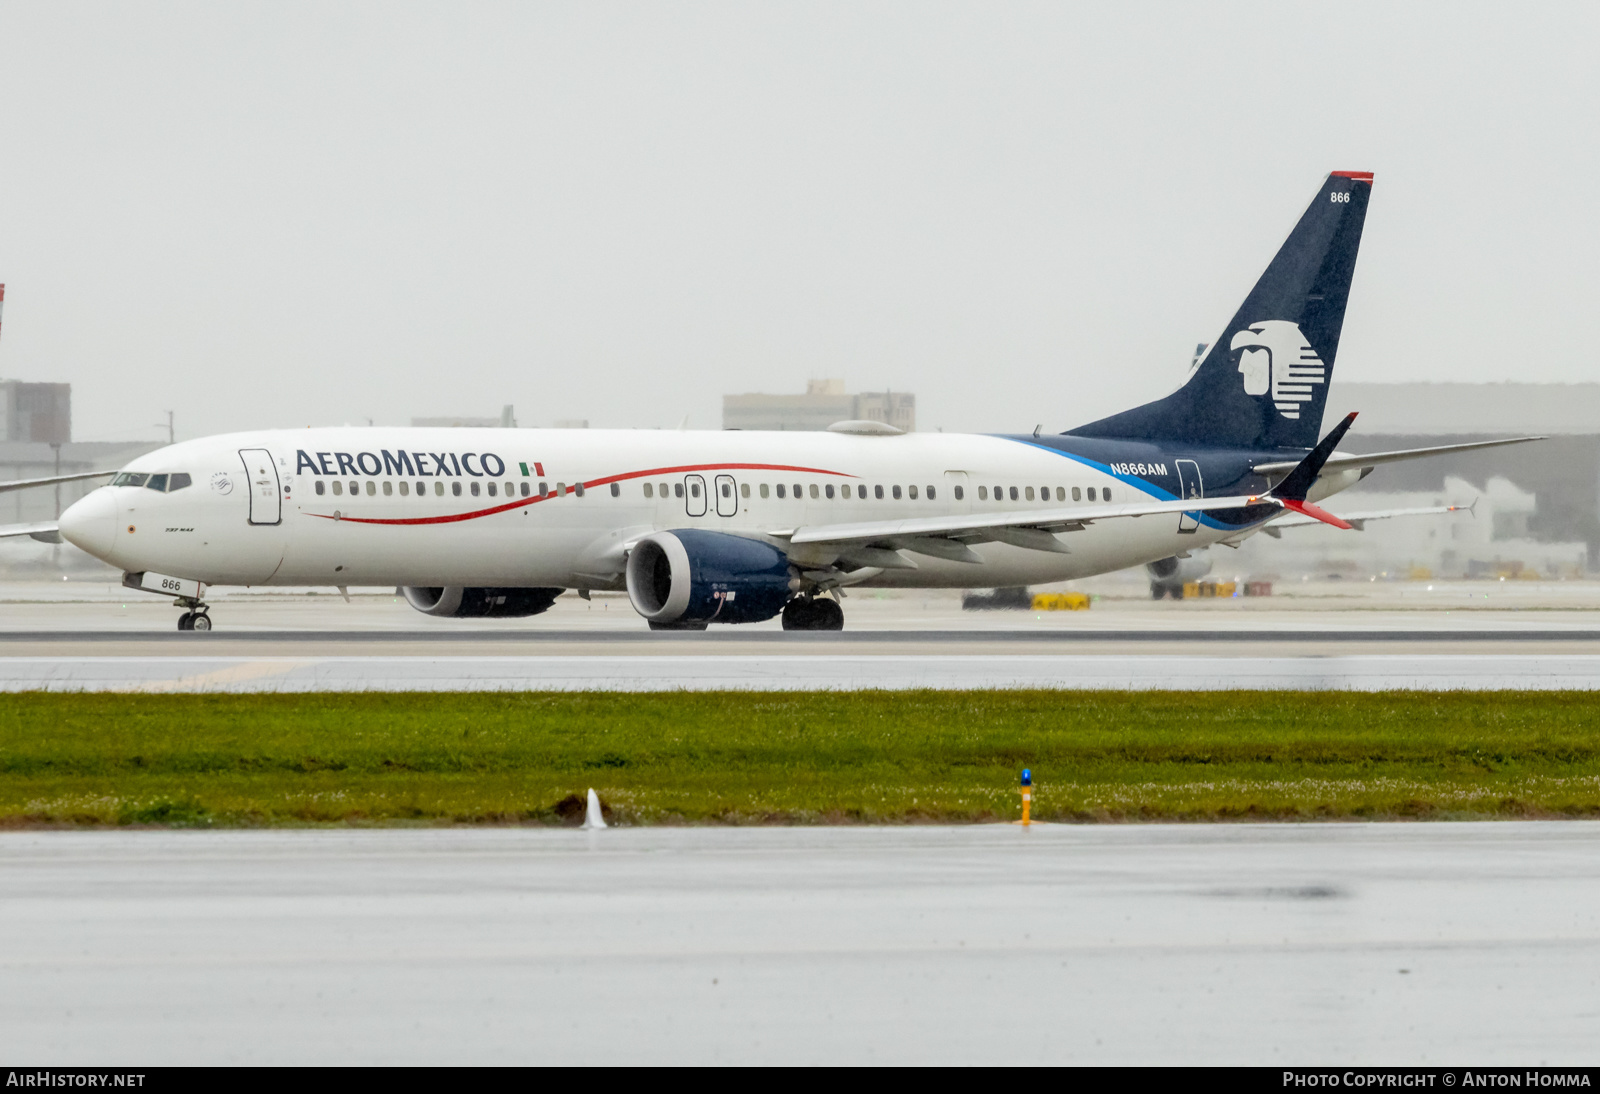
(196, 618)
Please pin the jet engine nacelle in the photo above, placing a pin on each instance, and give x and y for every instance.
(477, 603)
(689, 576)
(1169, 575)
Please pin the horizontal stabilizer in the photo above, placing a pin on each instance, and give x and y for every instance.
(1343, 462)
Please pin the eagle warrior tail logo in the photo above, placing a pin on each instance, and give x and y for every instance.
(1275, 356)
(1263, 383)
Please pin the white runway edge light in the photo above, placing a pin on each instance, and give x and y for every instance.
(592, 817)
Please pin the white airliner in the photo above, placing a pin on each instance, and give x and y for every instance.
(738, 527)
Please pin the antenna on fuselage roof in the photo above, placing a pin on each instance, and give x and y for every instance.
(1038, 429)
(684, 424)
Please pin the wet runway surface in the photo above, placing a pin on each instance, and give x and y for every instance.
(1311, 944)
(814, 669)
(302, 642)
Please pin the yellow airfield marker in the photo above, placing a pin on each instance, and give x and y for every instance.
(1027, 797)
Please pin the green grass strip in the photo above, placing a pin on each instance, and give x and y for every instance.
(792, 758)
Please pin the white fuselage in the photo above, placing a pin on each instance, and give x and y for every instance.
(463, 507)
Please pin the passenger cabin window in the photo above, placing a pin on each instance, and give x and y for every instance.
(780, 489)
(896, 492)
(677, 489)
(1091, 493)
(930, 493)
(355, 488)
(388, 488)
(338, 488)
(798, 493)
(491, 489)
(1013, 493)
(727, 489)
(438, 489)
(744, 490)
(877, 492)
(662, 489)
(960, 492)
(616, 491)
(694, 490)
(1076, 494)
(320, 487)
(1029, 493)
(983, 493)
(649, 491)
(1105, 493)
(544, 490)
(525, 490)
(912, 490)
(405, 489)
(156, 482)
(828, 490)
(764, 491)
(1061, 493)
(455, 488)
(474, 488)
(578, 489)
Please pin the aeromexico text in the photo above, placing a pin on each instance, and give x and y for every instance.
(409, 464)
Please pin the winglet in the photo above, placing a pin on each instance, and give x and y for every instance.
(1305, 508)
(1297, 483)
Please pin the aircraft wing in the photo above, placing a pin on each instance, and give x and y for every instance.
(1344, 462)
(948, 537)
(1359, 520)
(44, 531)
(23, 484)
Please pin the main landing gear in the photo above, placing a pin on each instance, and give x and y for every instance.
(196, 618)
(813, 613)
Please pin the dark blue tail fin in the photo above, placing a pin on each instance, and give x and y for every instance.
(1263, 384)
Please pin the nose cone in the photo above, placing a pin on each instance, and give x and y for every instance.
(91, 524)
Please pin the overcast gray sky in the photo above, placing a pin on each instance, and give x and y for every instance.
(282, 214)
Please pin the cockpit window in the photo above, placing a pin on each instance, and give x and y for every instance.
(162, 483)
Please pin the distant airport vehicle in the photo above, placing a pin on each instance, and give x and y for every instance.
(739, 527)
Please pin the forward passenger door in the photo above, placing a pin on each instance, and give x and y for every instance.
(266, 496)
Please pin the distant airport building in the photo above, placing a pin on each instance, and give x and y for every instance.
(824, 403)
(36, 442)
(39, 413)
(507, 420)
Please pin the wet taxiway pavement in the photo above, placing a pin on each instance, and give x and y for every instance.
(1429, 943)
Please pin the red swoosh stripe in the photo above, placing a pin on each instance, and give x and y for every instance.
(453, 518)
